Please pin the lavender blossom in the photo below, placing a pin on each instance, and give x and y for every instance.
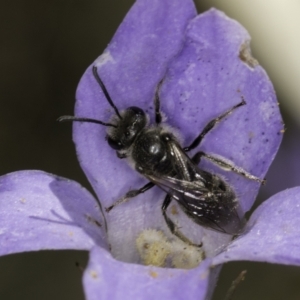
(207, 68)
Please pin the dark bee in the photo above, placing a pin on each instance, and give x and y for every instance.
(156, 154)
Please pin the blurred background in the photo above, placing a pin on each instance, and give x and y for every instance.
(45, 48)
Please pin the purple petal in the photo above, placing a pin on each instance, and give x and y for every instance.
(107, 278)
(285, 171)
(136, 59)
(41, 211)
(272, 233)
(208, 78)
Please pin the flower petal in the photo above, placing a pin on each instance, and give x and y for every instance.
(272, 233)
(213, 73)
(285, 171)
(107, 278)
(40, 211)
(132, 65)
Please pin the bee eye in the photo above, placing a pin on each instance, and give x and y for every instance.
(116, 145)
(222, 186)
(137, 111)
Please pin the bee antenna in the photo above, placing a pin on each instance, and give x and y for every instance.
(108, 98)
(79, 119)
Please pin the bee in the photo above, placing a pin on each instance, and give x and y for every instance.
(155, 152)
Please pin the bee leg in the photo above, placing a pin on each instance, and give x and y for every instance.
(131, 194)
(172, 226)
(228, 166)
(158, 116)
(211, 125)
(197, 157)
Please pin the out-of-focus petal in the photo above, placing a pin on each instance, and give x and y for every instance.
(106, 278)
(40, 211)
(272, 233)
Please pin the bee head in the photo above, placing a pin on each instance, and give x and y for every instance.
(127, 128)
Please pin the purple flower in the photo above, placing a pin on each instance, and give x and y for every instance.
(207, 68)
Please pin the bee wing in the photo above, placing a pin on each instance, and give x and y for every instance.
(200, 204)
(184, 167)
(178, 187)
(210, 207)
(198, 193)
